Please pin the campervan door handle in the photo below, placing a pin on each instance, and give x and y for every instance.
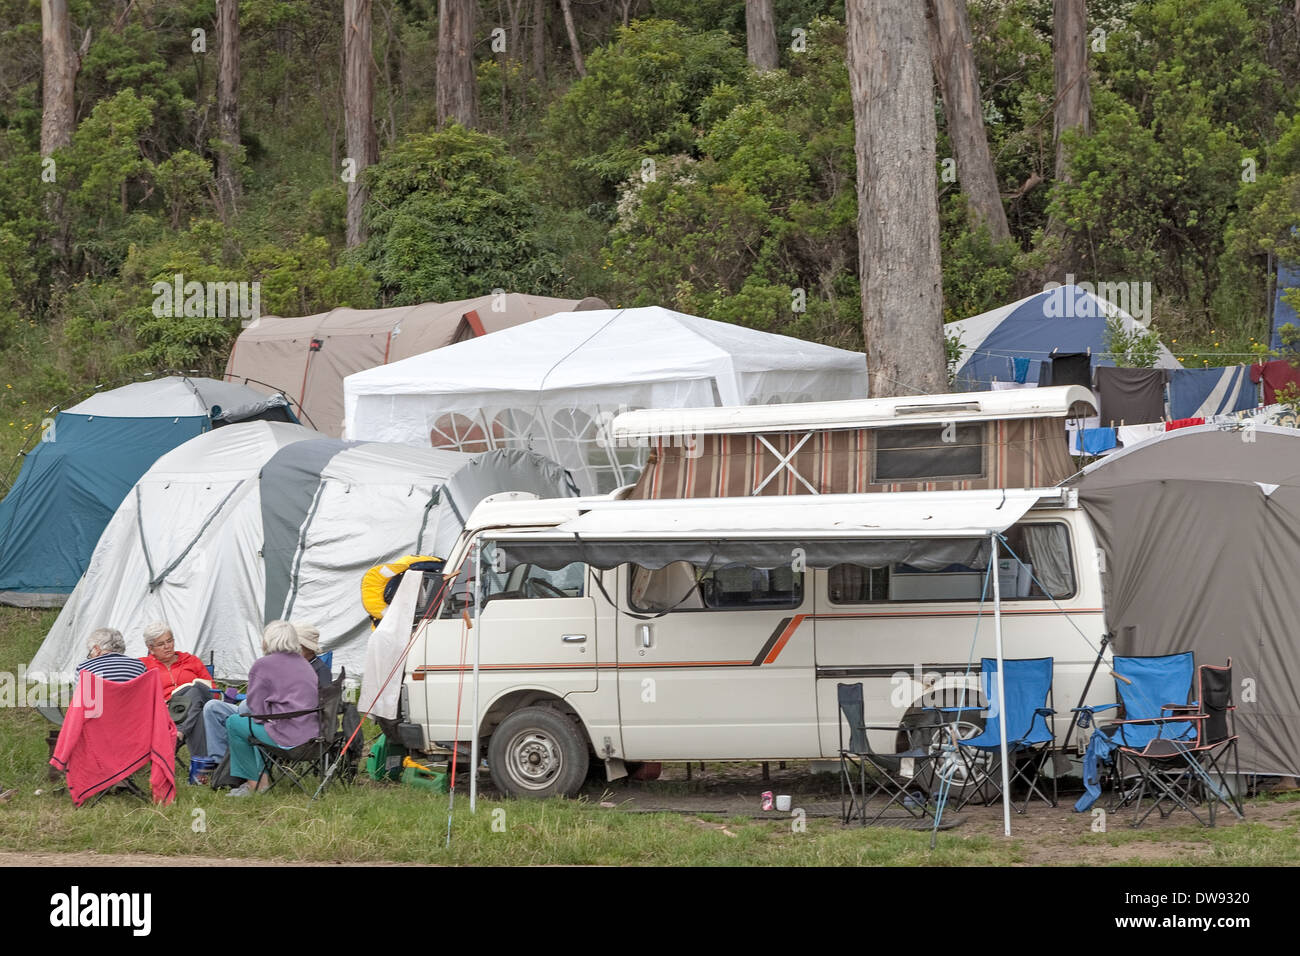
(645, 635)
(574, 638)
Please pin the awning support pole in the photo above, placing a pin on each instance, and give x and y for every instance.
(478, 643)
(1002, 695)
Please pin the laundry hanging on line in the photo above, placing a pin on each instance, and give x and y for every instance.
(1134, 395)
(1204, 392)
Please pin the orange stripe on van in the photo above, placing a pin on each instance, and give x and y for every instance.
(784, 639)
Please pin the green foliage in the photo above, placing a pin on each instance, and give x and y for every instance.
(760, 229)
(120, 327)
(1152, 201)
(451, 217)
(185, 180)
(977, 272)
(641, 98)
(1136, 348)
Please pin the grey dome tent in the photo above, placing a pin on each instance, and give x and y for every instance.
(85, 462)
(1200, 532)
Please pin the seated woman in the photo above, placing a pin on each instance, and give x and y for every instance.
(176, 668)
(186, 684)
(281, 682)
(106, 656)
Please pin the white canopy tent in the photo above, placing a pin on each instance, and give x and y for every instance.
(554, 384)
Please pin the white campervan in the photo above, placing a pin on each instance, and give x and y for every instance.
(718, 628)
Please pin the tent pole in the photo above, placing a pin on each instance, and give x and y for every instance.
(1002, 694)
(473, 743)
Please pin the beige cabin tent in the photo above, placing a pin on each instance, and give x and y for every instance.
(307, 357)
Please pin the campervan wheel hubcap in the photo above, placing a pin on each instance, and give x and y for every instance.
(535, 759)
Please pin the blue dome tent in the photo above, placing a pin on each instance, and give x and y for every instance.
(1070, 318)
(87, 459)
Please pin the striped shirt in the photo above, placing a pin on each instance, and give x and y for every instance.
(116, 667)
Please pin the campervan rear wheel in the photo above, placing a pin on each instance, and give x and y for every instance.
(537, 752)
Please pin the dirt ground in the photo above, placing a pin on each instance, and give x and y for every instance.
(1050, 836)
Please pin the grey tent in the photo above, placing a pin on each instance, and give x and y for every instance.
(1200, 528)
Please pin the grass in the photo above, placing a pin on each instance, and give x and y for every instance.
(371, 822)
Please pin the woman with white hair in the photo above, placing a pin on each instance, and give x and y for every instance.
(281, 684)
(176, 668)
(106, 656)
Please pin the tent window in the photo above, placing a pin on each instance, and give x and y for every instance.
(681, 586)
(1044, 548)
(928, 453)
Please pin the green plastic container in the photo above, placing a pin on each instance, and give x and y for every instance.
(435, 780)
(384, 763)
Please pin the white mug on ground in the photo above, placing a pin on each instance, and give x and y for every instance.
(783, 802)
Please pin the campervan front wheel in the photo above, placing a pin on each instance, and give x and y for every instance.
(537, 752)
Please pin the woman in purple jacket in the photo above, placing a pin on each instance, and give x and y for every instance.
(281, 682)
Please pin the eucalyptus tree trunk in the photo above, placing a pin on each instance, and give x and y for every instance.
(457, 96)
(229, 187)
(1073, 112)
(952, 49)
(59, 111)
(573, 37)
(358, 111)
(898, 212)
(760, 34)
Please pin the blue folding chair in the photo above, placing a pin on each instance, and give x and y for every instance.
(1149, 688)
(1028, 693)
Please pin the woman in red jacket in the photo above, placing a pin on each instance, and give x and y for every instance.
(176, 668)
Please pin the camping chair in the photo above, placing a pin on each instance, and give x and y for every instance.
(1181, 767)
(1148, 688)
(1028, 694)
(315, 756)
(896, 774)
(113, 729)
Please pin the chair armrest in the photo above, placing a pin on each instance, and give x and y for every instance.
(1180, 719)
(1093, 710)
(286, 715)
(1044, 711)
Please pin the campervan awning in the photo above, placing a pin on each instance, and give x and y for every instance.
(770, 532)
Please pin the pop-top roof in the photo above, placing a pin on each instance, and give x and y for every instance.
(1059, 402)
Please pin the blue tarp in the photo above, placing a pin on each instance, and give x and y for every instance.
(66, 493)
(1288, 277)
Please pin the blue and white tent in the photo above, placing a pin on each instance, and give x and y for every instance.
(89, 456)
(1070, 318)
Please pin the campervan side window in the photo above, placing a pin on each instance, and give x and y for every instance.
(928, 452)
(1044, 547)
(681, 586)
